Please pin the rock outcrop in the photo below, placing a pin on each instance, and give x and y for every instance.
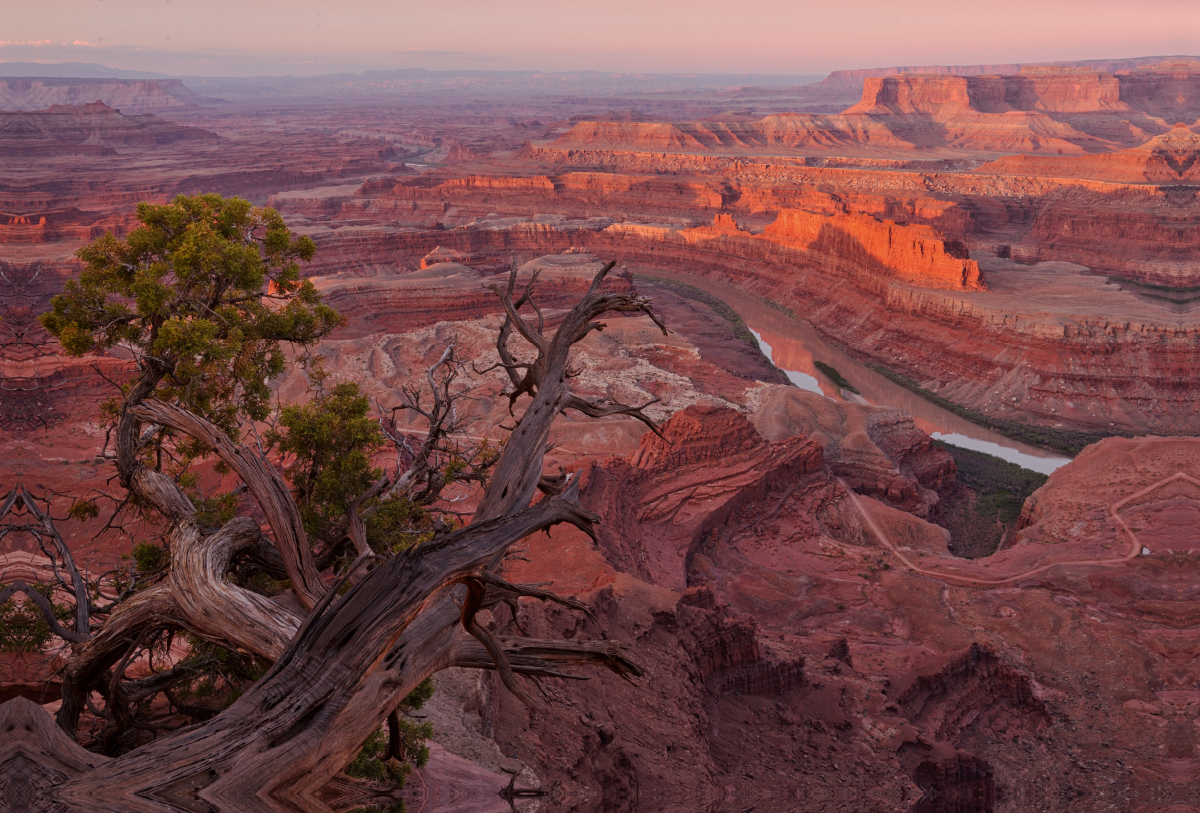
(1169, 158)
(661, 519)
(820, 679)
(942, 97)
(876, 450)
(913, 254)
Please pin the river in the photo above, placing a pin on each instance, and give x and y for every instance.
(793, 346)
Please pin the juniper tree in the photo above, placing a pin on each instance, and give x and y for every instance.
(205, 297)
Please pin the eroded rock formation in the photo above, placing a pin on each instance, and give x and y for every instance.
(775, 557)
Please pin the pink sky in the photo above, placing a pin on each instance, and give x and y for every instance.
(309, 36)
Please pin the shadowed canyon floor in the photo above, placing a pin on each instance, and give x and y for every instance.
(1015, 242)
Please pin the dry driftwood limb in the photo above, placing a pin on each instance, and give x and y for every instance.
(439, 416)
(152, 608)
(423, 477)
(500, 591)
(197, 597)
(472, 605)
(543, 657)
(519, 469)
(336, 683)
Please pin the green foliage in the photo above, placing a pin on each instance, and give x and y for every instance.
(83, 510)
(22, 627)
(1000, 489)
(413, 737)
(372, 761)
(148, 562)
(369, 765)
(833, 375)
(203, 292)
(148, 557)
(332, 439)
(1009, 483)
(420, 695)
(397, 524)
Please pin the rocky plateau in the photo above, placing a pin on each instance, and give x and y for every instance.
(1015, 240)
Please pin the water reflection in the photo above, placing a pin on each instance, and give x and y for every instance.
(1043, 465)
(804, 381)
(794, 347)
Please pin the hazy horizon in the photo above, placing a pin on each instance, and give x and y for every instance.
(306, 37)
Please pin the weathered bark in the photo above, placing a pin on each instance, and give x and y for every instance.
(355, 657)
(34, 756)
(209, 603)
(196, 596)
(336, 683)
(531, 656)
(264, 483)
(152, 608)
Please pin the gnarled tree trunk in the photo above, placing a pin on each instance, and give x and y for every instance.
(356, 656)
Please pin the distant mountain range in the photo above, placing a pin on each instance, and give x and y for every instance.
(73, 70)
(128, 95)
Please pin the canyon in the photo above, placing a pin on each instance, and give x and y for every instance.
(1014, 241)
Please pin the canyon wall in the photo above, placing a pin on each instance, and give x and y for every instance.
(850, 83)
(1048, 110)
(994, 352)
(1170, 90)
(912, 254)
(1047, 90)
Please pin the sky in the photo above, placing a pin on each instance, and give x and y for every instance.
(300, 37)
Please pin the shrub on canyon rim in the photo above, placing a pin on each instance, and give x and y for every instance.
(202, 293)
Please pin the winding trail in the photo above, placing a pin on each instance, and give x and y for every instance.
(1134, 550)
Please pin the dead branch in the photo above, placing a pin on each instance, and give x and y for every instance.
(46, 608)
(264, 482)
(82, 622)
(519, 469)
(356, 656)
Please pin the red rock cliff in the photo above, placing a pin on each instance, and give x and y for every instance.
(1050, 90)
(901, 95)
(915, 254)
